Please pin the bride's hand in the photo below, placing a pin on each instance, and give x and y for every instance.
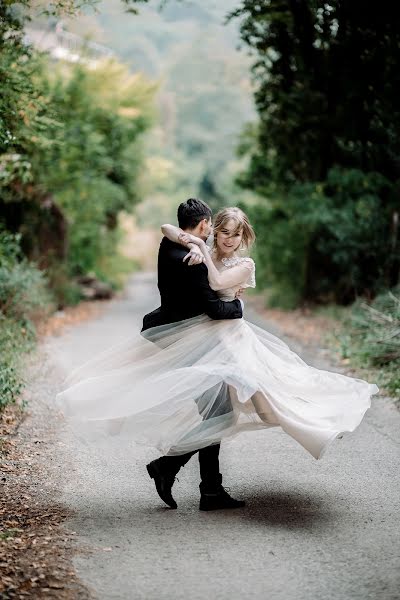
(188, 238)
(195, 256)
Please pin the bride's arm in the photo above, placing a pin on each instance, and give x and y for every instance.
(174, 234)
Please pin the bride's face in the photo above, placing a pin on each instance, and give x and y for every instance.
(228, 238)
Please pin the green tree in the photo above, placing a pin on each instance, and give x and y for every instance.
(70, 151)
(327, 82)
(70, 154)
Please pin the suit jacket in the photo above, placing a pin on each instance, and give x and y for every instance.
(185, 291)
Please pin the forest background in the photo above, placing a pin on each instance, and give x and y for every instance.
(300, 126)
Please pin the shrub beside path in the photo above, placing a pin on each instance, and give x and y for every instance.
(327, 529)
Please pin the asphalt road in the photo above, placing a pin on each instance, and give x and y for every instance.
(321, 530)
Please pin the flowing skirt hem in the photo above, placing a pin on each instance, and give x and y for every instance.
(191, 384)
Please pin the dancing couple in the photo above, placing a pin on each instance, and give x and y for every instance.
(199, 372)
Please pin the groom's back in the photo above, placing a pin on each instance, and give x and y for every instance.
(179, 286)
(178, 282)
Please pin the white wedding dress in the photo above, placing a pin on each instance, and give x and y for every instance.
(186, 385)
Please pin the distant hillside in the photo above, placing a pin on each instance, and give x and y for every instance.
(147, 41)
(205, 94)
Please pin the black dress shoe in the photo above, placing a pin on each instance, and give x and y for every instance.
(164, 480)
(218, 500)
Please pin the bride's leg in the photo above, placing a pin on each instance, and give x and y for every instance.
(263, 408)
(237, 406)
(258, 402)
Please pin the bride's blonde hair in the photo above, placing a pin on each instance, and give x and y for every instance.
(242, 223)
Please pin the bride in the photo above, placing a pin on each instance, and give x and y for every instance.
(190, 384)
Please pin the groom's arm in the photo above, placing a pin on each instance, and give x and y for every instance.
(197, 278)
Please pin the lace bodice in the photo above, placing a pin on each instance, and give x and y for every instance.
(228, 263)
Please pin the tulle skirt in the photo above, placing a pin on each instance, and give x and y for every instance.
(186, 385)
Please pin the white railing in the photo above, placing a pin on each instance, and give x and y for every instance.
(64, 45)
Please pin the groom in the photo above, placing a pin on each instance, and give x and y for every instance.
(185, 293)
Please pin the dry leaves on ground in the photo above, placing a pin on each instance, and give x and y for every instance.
(71, 315)
(35, 548)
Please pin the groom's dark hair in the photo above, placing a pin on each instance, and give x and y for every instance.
(191, 212)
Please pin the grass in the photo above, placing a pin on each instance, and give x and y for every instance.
(369, 338)
(17, 338)
(9, 533)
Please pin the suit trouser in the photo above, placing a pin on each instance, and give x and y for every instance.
(208, 456)
(208, 460)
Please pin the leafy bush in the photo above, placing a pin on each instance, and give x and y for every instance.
(66, 291)
(372, 337)
(16, 338)
(93, 169)
(23, 294)
(70, 154)
(280, 254)
(328, 241)
(322, 153)
(23, 289)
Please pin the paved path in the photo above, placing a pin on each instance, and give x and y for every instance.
(312, 529)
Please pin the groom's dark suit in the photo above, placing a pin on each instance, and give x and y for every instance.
(185, 293)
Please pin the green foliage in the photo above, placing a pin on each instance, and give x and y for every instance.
(330, 241)
(323, 96)
(323, 153)
(92, 161)
(70, 152)
(97, 161)
(114, 267)
(65, 289)
(10, 250)
(70, 155)
(23, 294)
(15, 340)
(279, 253)
(23, 289)
(378, 326)
(372, 337)
(26, 123)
